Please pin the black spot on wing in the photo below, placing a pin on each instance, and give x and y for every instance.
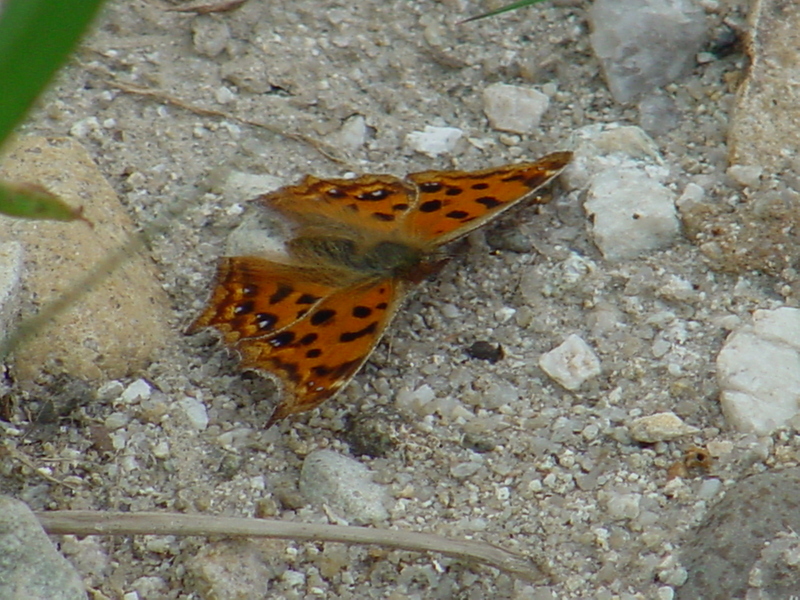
(430, 187)
(352, 336)
(480, 186)
(375, 195)
(382, 216)
(243, 308)
(308, 339)
(307, 299)
(266, 321)
(457, 214)
(430, 206)
(322, 316)
(314, 353)
(362, 312)
(453, 191)
(489, 202)
(282, 339)
(281, 293)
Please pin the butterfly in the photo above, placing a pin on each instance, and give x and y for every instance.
(356, 248)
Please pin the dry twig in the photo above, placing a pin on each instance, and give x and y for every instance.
(84, 522)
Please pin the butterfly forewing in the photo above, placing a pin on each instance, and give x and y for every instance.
(370, 202)
(453, 203)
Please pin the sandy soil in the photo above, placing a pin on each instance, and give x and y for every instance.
(556, 468)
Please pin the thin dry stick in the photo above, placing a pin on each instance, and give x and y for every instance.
(86, 522)
(328, 151)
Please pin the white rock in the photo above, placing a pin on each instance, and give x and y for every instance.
(136, 391)
(631, 213)
(195, 412)
(351, 135)
(758, 370)
(11, 268)
(745, 175)
(643, 44)
(572, 363)
(660, 427)
(624, 506)
(599, 147)
(514, 109)
(345, 485)
(434, 140)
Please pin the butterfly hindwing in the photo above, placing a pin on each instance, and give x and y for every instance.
(254, 297)
(319, 353)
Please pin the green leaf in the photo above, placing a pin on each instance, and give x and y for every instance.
(30, 201)
(507, 7)
(36, 37)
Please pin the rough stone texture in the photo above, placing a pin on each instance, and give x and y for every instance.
(765, 120)
(762, 232)
(344, 484)
(631, 213)
(728, 543)
(513, 108)
(11, 269)
(571, 363)
(660, 427)
(643, 44)
(30, 566)
(758, 370)
(114, 329)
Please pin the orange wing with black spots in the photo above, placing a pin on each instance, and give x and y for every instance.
(360, 244)
(312, 336)
(370, 202)
(254, 297)
(453, 203)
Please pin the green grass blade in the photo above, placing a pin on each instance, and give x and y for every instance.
(36, 37)
(34, 202)
(502, 9)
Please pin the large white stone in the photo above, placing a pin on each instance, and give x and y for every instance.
(631, 213)
(758, 370)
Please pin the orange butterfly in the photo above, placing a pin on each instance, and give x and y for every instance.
(357, 248)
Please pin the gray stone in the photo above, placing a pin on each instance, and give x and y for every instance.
(114, 328)
(30, 566)
(730, 542)
(345, 485)
(643, 44)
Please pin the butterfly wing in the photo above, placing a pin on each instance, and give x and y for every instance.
(450, 204)
(254, 297)
(370, 202)
(311, 335)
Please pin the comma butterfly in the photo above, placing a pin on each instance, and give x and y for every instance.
(357, 248)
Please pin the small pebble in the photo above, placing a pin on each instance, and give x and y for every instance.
(572, 363)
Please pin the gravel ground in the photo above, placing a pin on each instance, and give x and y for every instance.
(493, 451)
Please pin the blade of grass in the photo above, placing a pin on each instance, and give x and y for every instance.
(36, 37)
(502, 9)
(30, 201)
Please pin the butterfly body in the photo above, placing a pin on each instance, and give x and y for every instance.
(357, 247)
